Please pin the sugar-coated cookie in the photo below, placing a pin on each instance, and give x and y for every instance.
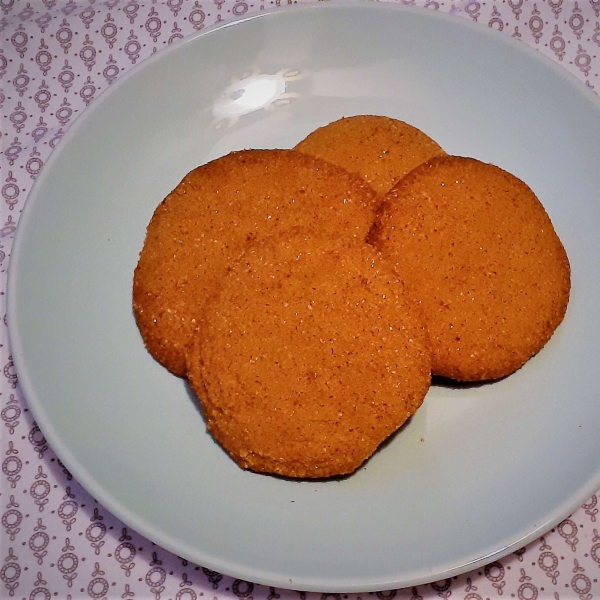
(206, 222)
(311, 354)
(480, 252)
(379, 149)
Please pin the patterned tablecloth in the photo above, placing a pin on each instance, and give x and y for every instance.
(56, 541)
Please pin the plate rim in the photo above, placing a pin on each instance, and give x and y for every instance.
(114, 505)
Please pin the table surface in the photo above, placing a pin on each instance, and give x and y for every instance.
(56, 541)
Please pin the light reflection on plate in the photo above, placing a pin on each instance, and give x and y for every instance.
(252, 93)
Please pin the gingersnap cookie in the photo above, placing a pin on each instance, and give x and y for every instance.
(480, 252)
(379, 149)
(309, 356)
(206, 222)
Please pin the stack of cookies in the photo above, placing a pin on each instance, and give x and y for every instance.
(308, 295)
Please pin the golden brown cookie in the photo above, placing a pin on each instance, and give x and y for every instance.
(311, 354)
(379, 149)
(481, 253)
(206, 222)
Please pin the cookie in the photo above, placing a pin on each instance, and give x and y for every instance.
(309, 356)
(206, 222)
(379, 149)
(480, 252)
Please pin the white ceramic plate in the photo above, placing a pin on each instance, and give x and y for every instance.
(499, 464)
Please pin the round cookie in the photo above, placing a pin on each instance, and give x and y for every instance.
(481, 254)
(206, 222)
(310, 355)
(379, 149)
